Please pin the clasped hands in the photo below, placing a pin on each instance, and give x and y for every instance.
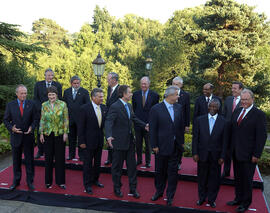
(19, 131)
(196, 159)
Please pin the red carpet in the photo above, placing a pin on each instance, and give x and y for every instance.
(186, 195)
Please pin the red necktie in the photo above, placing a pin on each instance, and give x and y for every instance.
(234, 104)
(21, 107)
(241, 117)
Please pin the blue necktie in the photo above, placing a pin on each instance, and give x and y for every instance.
(171, 112)
(126, 106)
(211, 124)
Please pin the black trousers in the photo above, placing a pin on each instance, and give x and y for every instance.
(209, 175)
(243, 175)
(141, 134)
(166, 168)
(54, 148)
(39, 144)
(91, 165)
(227, 162)
(119, 156)
(27, 146)
(72, 140)
(110, 155)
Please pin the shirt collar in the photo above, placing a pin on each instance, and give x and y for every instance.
(19, 102)
(73, 89)
(167, 104)
(247, 109)
(122, 101)
(146, 92)
(94, 105)
(113, 88)
(215, 116)
(210, 97)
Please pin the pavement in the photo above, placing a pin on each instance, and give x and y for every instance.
(7, 206)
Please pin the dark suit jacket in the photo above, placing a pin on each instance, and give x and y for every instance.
(227, 111)
(184, 100)
(203, 142)
(40, 93)
(201, 106)
(82, 97)
(13, 117)
(119, 126)
(164, 133)
(248, 139)
(89, 132)
(143, 112)
(113, 98)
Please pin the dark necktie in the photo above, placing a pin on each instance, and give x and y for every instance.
(21, 107)
(241, 117)
(143, 99)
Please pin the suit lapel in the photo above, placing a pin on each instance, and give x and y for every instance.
(248, 115)
(148, 98)
(215, 125)
(92, 110)
(166, 112)
(123, 109)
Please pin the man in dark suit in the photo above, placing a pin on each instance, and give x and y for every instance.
(184, 100)
(20, 119)
(118, 128)
(166, 123)
(142, 102)
(91, 138)
(75, 97)
(208, 149)
(248, 137)
(201, 103)
(112, 96)
(40, 96)
(231, 103)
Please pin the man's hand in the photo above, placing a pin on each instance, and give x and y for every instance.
(65, 137)
(83, 146)
(196, 158)
(155, 150)
(254, 159)
(220, 161)
(147, 127)
(187, 129)
(109, 141)
(41, 138)
(14, 129)
(29, 130)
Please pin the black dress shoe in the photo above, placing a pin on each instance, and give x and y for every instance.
(200, 202)
(48, 185)
(13, 186)
(169, 202)
(107, 163)
(233, 203)
(38, 155)
(31, 187)
(139, 163)
(156, 196)
(62, 186)
(118, 193)
(147, 165)
(241, 209)
(179, 166)
(212, 204)
(99, 184)
(88, 190)
(134, 193)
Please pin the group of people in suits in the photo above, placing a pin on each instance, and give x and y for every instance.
(238, 133)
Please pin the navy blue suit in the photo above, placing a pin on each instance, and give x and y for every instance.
(248, 139)
(21, 142)
(210, 148)
(168, 136)
(142, 112)
(90, 134)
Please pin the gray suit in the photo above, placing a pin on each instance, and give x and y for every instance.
(227, 113)
(119, 126)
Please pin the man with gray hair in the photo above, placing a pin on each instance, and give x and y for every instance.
(40, 96)
(142, 102)
(75, 96)
(184, 100)
(248, 137)
(166, 129)
(21, 119)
